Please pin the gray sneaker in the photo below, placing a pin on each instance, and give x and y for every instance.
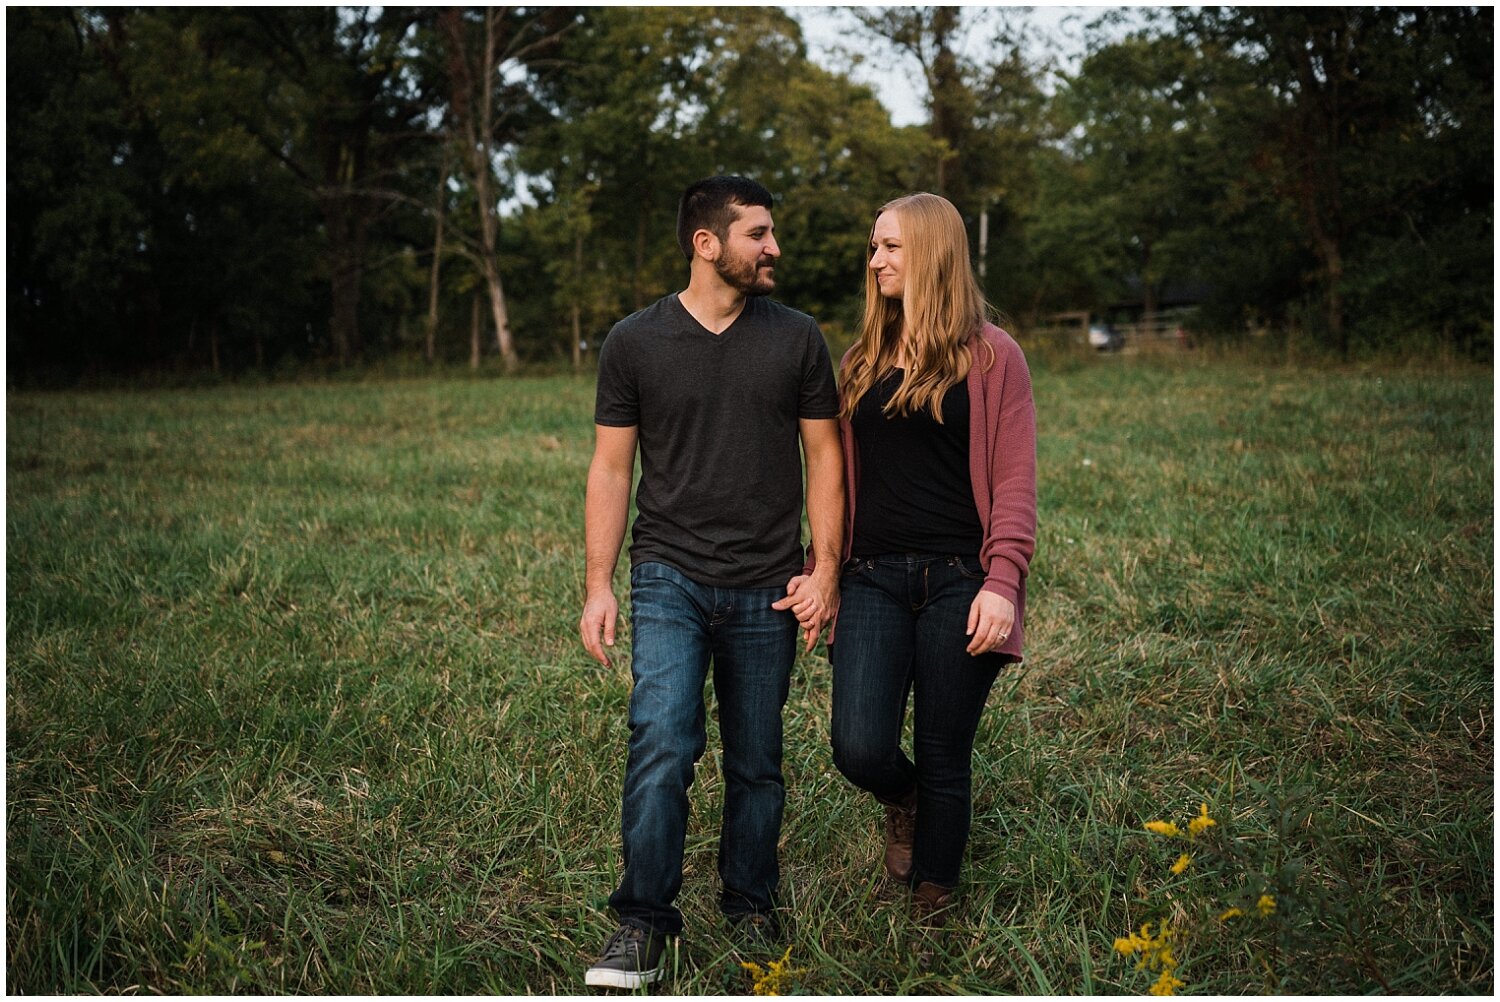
(631, 958)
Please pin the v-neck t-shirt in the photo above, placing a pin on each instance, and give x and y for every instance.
(720, 493)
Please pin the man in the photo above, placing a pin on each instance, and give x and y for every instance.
(717, 385)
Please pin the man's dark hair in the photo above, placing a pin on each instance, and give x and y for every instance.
(709, 205)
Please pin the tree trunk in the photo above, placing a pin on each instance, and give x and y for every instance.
(429, 347)
(577, 306)
(1322, 69)
(344, 318)
(1148, 289)
(504, 340)
(344, 281)
(1333, 268)
(475, 329)
(949, 125)
(489, 224)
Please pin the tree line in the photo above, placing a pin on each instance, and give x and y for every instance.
(270, 187)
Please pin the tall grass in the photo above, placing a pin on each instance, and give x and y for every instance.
(295, 702)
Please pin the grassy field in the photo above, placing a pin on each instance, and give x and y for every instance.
(295, 702)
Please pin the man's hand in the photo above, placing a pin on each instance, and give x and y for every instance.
(814, 600)
(605, 507)
(600, 613)
(991, 619)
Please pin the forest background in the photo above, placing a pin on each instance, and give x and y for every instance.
(295, 189)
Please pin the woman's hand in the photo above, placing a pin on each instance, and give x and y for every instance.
(991, 618)
(814, 600)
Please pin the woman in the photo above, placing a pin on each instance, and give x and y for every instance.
(940, 448)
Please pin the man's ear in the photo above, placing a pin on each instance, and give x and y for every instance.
(706, 245)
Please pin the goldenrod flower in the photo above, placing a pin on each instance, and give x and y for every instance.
(1166, 984)
(1163, 828)
(1183, 862)
(1231, 913)
(1202, 822)
(1156, 955)
(768, 979)
(1266, 905)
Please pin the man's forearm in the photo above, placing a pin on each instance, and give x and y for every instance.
(606, 508)
(825, 510)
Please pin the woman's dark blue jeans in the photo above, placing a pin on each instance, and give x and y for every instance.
(901, 630)
(677, 627)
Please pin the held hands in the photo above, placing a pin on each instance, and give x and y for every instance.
(814, 600)
(991, 618)
(600, 613)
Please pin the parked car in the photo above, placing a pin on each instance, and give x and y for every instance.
(1103, 337)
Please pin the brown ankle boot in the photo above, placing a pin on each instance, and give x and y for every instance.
(900, 826)
(931, 903)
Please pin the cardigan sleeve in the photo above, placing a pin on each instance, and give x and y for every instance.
(1010, 530)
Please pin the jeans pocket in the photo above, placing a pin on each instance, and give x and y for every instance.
(968, 567)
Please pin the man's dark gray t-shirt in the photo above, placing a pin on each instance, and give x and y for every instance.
(720, 496)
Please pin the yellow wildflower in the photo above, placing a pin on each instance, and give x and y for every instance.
(768, 979)
(1166, 984)
(1231, 913)
(1266, 905)
(1163, 828)
(1202, 822)
(1156, 955)
(1183, 862)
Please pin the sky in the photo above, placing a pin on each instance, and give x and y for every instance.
(897, 81)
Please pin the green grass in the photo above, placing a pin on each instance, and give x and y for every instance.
(295, 701)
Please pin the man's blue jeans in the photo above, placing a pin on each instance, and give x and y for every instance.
(901, 630)
(678, 627)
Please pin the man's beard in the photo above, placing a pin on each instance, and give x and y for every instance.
(744, 276)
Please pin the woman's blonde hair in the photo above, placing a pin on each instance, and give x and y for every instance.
(940, 309)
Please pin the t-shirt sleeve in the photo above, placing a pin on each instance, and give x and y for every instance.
(617, 402)
(820, 397)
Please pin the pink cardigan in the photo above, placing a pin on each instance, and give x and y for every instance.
(1002, 466)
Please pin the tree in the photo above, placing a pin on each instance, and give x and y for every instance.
(1381, 122)
(1136, 123)
(351, 124)
(929, 35)
(649, 101)
(159, 231)
(621, 143)
(988, 119)
(489, 56)
(317, 98)
(74, 189)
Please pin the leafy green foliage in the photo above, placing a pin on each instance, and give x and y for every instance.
(259, 188)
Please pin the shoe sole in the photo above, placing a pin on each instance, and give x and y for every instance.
(603, 977)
